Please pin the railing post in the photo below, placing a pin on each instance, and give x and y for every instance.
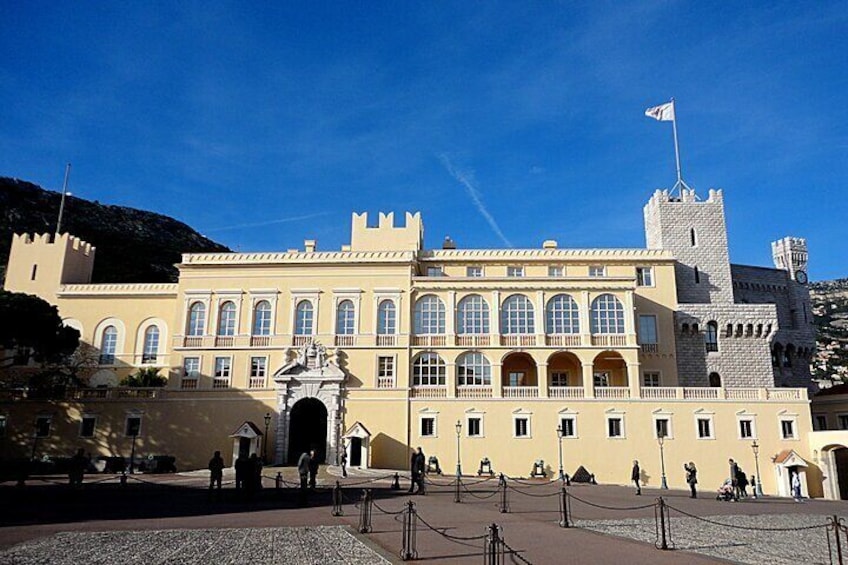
(836, 531)
(504, 506)
(278, 481)
(408, 550)
(563, 509)
(396, 482)
(365, 512)
(457, 495)
(493, 549)
(337, 500)
(660, 515)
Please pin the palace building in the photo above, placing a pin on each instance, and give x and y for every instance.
(515, 355)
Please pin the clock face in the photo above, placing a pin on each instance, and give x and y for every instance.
(801, 277)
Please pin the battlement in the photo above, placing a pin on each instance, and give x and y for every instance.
(386, 236)
(70, 242)
(40, 263)
(790, 254)
(687, 196)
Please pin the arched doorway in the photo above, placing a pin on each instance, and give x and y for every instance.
(610, 369)
(564, 369)
(519, 369)
(307, 429)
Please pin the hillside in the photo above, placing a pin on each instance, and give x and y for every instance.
(830, 310)
(132, 245)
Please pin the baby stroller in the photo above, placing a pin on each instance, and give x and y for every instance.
(725, 491)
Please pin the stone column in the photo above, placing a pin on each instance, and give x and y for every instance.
(281, 437)
(495, 318)
(542, 379)
(633, 380)
(584, 314)
(588, 380)
(497, 380)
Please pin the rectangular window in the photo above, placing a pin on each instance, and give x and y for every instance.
(615, 427)
(705, 428)
(474, 272)
(644, 276)
(428, 427)
(223, 371)
(258, 372)
(515, 271)
(435, 272)
(556, 271)
(191, 372)
(820, 421)
(843, 421)
(133, 426)
(597, 271)
(651, 379)
(87, 425)
(42, 426)
(516, 379)
(568, 426)
(787, 429)
(521, 426)
(647, 329)
(661, 427)
(746, 429)
(559, 378)
(385, 372)
(601, 379)
(475, 427)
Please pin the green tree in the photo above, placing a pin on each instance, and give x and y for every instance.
(32, 327)
(145, 377)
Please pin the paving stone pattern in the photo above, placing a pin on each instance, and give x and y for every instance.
(739, 544)
(324, 545)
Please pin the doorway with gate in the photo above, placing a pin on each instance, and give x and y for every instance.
(307, 429)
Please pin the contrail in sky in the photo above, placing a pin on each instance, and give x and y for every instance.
(467, 180)
(269, 222)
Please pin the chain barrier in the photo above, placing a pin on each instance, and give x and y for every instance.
(481, 496)
(514, 553)
(533, 483)
(458, 539)
(604, 507)
(548, 495)
(753, 528)
(365, 502)
(408, 550)
(384, 511)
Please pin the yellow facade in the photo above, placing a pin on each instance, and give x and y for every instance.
(542, 361)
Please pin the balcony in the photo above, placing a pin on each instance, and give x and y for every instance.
(260, 340)
(474, 391)
(659, 392)
(701, 393)
(431, 391)
(429, 341)
(609, 340)
(528, 340)
(650, 347)
(256, 382)
(345, 340)
(520, 392)
(566, 392)
(385, 382)
(224, 341)
(563, 340)
(299, 340)
(193, 341)
(612, 392)
(386, 340)
(473, 340)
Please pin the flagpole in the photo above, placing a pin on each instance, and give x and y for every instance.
(62, 203)
(676, 146)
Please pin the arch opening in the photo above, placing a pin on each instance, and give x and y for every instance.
(307, 429)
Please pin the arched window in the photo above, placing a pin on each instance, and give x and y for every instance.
(345, 318)
(473, 368)
(197, 319)
(607, 315)
(472, 315)
(303, 318)
(227, 319)
(151, 345)
(715, 380)
(429, 315)
(262, 318)
(711, 336)
(517, 315)
(386, 318)
(562, 315)
(108, 345)
(428, 369)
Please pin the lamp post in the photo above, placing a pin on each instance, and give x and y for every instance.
(559, 436)
(661, 441)
(759, 489)
(458, 433)
(265, 438)
(62, 203)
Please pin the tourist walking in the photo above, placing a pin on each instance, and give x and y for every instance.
(742, 481)
(417, 465)
(313, 468)
(635, 475)
(691, 478)
(216, 470)
(734, 474)
(303, 471)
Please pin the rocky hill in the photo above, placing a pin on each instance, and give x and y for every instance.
(132, 245)
(830, 309)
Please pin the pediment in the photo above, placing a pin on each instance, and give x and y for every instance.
(357, 430)
(247, 430)
(312, 364)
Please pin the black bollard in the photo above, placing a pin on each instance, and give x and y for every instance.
(504, 505)
(563, 509)
(396, 482)
(408, 550)
(493, 548)
(567, 480)
(337, 500)
(365, 512)
(278, 481)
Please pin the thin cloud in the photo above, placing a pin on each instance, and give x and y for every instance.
(269, 222)
(467, 180)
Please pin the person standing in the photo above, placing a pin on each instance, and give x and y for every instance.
(742, 481)
(303, 471)
(691, 478)
(416, 469)
(635, 475)
(343, 462)
(77, 468)
(796, 487)
(734, 473)
(241, 471)
(216, 470)
(313, 468)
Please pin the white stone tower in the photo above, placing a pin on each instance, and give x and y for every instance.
(790, 254)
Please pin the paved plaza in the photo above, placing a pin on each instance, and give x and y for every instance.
(172, 519)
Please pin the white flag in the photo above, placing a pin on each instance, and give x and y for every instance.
(663, 113)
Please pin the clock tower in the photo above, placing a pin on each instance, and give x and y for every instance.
(790, 254)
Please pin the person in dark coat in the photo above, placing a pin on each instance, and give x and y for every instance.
(691, 478)
(77, 468)
(343, 462)
(742, 481)
(216, 470)
(635, 475)
(254, 477)
(734, 473)
(241, 471)
(303, 471)
(313, 468)
(417, 466)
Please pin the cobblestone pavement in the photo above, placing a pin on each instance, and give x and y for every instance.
(324, 545)
(735, 539)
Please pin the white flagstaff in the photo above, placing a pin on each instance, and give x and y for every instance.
(62, 203)
(667, 113)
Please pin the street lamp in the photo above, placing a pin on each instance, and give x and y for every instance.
(758, 489)
(265, 438)
(559, 435)
(661, 441)
(458, 433)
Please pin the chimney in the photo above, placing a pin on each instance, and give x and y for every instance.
(309, 245)
(448, 243)
(549, 244)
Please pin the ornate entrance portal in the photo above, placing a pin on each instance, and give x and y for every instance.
(309, 406)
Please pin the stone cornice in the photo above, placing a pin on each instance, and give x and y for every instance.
(133, 289)
(296, 258)
(542, 255)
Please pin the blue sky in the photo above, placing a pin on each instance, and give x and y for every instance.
(503, 123)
